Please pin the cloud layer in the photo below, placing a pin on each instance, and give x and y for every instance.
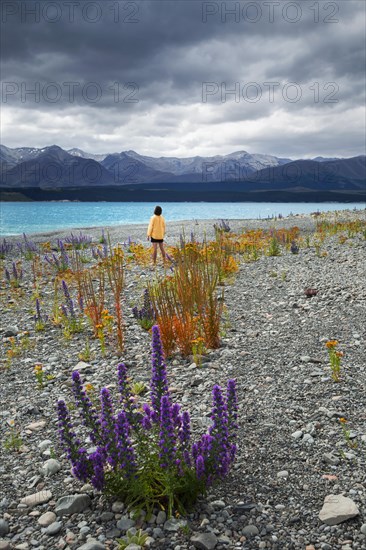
(183, 78)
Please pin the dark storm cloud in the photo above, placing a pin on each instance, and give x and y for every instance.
(110, 75)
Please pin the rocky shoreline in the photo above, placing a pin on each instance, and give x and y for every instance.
(293, 451)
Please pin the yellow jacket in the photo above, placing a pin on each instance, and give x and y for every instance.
(156, 228)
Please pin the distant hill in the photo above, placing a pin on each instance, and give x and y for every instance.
(52, 167)
(32, 172)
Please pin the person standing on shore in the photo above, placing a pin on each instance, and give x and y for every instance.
(156, 233)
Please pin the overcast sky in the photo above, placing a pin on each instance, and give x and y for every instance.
(185, 78)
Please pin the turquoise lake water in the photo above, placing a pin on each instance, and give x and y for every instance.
(38, 217)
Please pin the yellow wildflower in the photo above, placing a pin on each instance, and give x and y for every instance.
(331, 344)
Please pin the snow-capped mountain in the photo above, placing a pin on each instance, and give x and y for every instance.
(75, 152)
(198, 164)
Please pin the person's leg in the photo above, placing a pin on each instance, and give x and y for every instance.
(161, 246)
(154, 252)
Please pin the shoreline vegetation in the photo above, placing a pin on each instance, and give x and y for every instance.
(272, 308)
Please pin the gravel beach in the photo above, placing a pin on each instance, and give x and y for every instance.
(294, 453)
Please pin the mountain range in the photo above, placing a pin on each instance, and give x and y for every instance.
(40, 173)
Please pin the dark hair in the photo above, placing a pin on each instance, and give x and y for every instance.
(158, 210)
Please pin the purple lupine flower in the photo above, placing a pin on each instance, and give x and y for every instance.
(122, 382)
(5, 248)
(150, 415)
(146, 423)
(16, 274)
(159, 383)
(125, 452)
(176, 417)
(185, 430)
(7, 274)
(81, 467)
(88, 412)
(187, 457)
(97, 461)
(107, 423)
(64, 310)
(81, 303)
(195, 451)
(185, 437)
(126, 399)
(219, 431)
(67, 436)
(146, 420)
(200, 467)
(206, 445)
(64, 258)
(166, 437)
(69, 301)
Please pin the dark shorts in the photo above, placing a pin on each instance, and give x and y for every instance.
(156, 240)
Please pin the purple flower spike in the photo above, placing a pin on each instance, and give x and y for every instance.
(107, 423)
(126, 454)
(122, 382)
(159, 383)
(68, 437)
(97, 461)
(69, 301)
(166, 436)
(200, 467)
(88, 412)
(219, 432)
(81, 468)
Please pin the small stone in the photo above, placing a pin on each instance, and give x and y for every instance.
(36, 426)
(204, 541)
(81, 366)
(113, 533)
(174, 524)
(297, 434)
(250, 531)
(308, 439)
(125, 523)
(117, 507)
(283, 473)
(218, 504)
(53, 529)
(337, 509)
(72, 504)
(46, 519)
(92, 544)
(51, 467)
(329, 458)
(4, 528)
(45, 444)
(37, 498)
(106, 516)
(11, 331)
(305, 359)
(4, 545)
(133, 546)
(161, 517)
(363, 529)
